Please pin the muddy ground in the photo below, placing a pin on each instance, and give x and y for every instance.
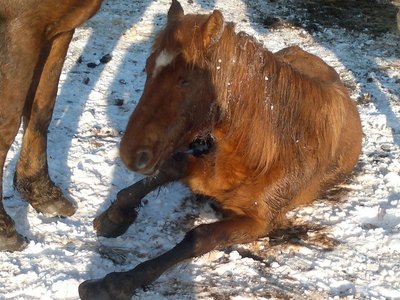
(367, 16)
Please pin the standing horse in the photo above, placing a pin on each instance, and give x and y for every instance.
(258, 132)
(34, 39)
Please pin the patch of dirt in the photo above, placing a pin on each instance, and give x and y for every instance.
(369, 16)
(375, 17)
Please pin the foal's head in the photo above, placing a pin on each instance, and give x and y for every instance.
(178, 101)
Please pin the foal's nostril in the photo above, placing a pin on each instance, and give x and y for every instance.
(142, 158)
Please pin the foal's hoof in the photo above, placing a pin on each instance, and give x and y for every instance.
(94, 290)
(97, 290)
(15, 242)
(115, 221)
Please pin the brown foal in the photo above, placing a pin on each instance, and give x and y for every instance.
(260, 133)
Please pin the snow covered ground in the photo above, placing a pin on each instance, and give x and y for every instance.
(352, 246)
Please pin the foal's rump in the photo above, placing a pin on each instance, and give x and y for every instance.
(308, 64)
(316, 69)
(340, 121)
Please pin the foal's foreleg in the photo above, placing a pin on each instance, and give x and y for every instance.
(31, 177)
(198, 241)
(122, 213)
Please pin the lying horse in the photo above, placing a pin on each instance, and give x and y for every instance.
(259, 133)
(34, 39)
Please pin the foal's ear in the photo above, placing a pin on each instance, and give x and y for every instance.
(213, 28)
(175, 11)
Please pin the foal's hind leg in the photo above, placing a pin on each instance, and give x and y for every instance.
(31, 177)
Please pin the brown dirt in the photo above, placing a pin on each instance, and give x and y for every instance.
(369, 16)
(375, 17)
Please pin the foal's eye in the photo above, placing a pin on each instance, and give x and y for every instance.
(184, 83)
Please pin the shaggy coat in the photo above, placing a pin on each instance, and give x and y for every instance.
(259, 133)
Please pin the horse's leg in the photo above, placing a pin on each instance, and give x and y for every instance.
(10, 116)
(31, 177)
(10, 239)
(198, 241)
(18, 57)
(122, 213)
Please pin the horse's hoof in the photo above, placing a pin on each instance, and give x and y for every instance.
(115, 221)
(56, 205)
(94, 290)
(15, 242)
(44, 196)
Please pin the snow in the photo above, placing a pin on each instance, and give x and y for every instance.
(353, 250)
